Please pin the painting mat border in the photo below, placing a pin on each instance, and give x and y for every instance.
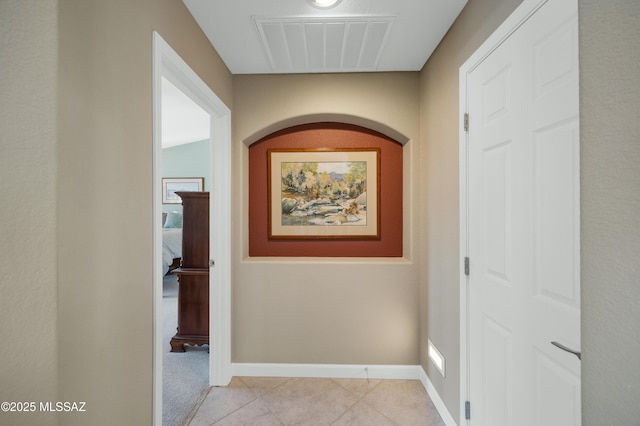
(277, 156)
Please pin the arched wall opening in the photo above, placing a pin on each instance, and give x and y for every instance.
(326, 135)
(362, 122)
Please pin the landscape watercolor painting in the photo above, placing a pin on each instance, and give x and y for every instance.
(323, 193)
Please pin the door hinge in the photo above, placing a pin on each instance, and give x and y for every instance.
(212, 263)
(466, 121)
(466, 266)
(467, 410)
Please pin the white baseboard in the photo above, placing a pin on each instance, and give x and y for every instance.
(348, 371)
(437, 401)
(334, 371)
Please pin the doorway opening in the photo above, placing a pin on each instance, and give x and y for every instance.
(185, 166)
(168, 65)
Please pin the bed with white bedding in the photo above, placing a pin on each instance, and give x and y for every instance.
(171, 241)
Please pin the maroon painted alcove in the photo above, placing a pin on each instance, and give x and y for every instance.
(328, 135)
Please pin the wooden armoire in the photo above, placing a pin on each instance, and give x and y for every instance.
(193, 274)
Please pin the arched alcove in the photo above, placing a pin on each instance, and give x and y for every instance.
(328, 135)
(362, 122)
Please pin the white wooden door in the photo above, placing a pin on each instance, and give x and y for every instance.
(523, 234)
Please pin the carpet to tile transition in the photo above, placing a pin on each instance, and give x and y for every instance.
(185, 376)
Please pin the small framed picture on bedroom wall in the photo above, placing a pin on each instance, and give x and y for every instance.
(172, 185)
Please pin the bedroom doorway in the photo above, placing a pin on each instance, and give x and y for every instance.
(168, 66)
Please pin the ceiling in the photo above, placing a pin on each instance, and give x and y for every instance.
(292, 36)
(183, 121)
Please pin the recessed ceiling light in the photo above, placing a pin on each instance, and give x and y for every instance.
(324, 4)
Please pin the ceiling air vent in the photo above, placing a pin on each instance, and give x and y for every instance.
(328, 44)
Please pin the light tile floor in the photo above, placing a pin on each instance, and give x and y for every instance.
(305, 401)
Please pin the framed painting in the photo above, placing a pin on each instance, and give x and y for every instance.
(324, 193)
(172, 185)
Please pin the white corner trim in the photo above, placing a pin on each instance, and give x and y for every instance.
(437, 401)
(171, 66)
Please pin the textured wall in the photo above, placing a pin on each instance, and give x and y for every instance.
(439, 207)
(28, 54)
(105, 160)
(331, 310)
(610, 201)
(187, 160)
(610, 209)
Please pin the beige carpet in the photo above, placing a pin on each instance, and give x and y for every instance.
(185, 376)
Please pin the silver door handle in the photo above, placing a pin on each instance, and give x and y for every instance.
(566, 349)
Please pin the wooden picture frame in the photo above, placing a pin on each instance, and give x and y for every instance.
(331, 193)
(172, 185)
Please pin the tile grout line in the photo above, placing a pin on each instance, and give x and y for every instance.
(234, 411)
(264, 403)
(380, 412)
(355, 403)
(190, 418)
(258, 396)
(361, 399)
(230, 413)
(271, 411)
(331, 380)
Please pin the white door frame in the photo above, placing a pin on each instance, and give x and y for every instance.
(167, 63)
(508, 27)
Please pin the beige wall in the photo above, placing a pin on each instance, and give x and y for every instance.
(439, 208)
(610, 210)
(610, 202)
(103, 161)
(104, 197)
(314, 311)
(28, 206)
